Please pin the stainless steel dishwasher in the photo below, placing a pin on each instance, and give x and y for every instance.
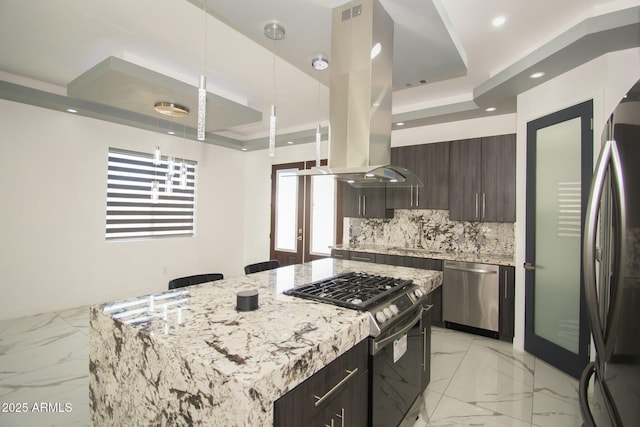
(471, 295)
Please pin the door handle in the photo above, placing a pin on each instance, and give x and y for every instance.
(528, 266)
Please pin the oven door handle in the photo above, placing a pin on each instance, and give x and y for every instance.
(377, 345)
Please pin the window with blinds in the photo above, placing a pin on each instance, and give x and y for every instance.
(149, 196)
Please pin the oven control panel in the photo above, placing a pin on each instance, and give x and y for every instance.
(385, 313)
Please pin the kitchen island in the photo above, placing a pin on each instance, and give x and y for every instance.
(187, 356)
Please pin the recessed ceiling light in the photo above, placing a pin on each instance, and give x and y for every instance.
(71, 110)
(171, 109)
(244, 149)
(400, 124)
(537, 75)
(498, 21)
(289, 142)
(319, 63)
(171, 132)
(490, 109)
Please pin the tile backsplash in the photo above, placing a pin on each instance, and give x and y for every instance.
(433, 231)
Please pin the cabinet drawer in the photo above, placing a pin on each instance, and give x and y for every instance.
(312, 396)
(362, 256)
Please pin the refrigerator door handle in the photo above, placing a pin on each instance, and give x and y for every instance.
(589, 244)
(585, 410)
(619, 208)
(609, 156)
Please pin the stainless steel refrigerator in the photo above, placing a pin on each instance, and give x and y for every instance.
(610, 385)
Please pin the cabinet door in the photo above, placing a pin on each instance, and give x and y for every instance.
(348, 409)
(339, 253)
(435, 299)
(465, 179)
(400, 197)
(300, 405)
(426, 342)
(374, 203)
(351, 203)
(363, 202)
(499, 178)
(362, 256)
(507, 301)
(432, 167)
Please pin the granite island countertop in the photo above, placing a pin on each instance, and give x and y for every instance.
(186, 356)
(478, 257)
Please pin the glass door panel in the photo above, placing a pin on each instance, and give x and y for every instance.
(323, 208)
(557, 239)
(286, 210)
(559, 168)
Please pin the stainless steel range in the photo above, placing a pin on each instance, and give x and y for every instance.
(386, 299)
(399, 343)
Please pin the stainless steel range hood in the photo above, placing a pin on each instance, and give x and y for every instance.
(360, 98)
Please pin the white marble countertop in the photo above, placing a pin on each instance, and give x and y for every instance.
(236, 363)
(479, 257)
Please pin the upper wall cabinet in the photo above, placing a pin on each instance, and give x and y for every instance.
(430, 162)
(482, 179)
(364, 202)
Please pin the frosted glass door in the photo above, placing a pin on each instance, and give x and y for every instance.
(558, 238)
(559, 168)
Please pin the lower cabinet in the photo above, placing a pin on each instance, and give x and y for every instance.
(434, 298)
(507, 301)
(426, 339)
(337, 395)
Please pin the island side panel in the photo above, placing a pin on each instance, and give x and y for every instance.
(136, 381)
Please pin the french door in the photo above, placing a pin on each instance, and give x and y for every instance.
(559, 170)
(304, 220)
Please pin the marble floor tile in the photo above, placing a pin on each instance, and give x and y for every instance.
(492, 377)
(447, 351)
(452, 412)
(555, 397)
(475, 380)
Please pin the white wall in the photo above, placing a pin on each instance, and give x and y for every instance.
(53, 253)
(605, 80)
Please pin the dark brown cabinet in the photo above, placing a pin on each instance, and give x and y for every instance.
(336, 395)
(482, 178)
(434, 298)
(425, 376)
(430, 162)
(507, 303)
(364, 202)
(362, 256)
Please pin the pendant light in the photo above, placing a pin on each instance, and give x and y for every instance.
(274, 32)
(202, 87)
(319, 64)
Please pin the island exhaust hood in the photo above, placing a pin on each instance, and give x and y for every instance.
(360, 99)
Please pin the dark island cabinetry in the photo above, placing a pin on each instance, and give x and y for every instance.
(337, 395)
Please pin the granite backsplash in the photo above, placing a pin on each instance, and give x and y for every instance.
(433, 231)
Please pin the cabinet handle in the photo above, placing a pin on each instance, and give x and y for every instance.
(341, 416)
(417, 197)
(360, 258)
(359, 205)
(424, 349)
(327, 425)
(483, 204)
(350, 374)
(505, 285)
(364, 205)
(476, 205)
(411, 197)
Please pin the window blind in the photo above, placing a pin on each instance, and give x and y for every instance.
(132, 212)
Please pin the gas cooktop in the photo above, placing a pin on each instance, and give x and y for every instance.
(360, 291)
